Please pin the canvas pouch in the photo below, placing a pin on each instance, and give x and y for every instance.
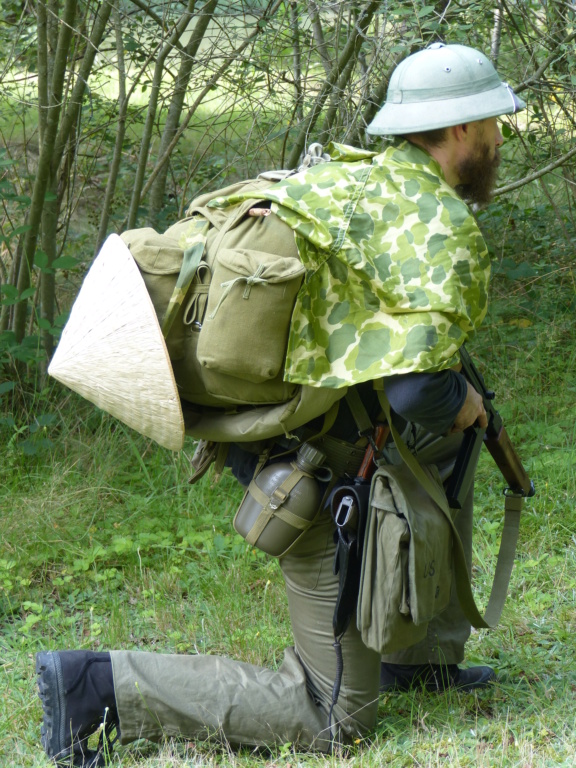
(159, 258)
(250, 303)
(406, 577)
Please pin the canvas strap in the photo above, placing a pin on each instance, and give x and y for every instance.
(196, 244)
(272, 505)
(505, 561)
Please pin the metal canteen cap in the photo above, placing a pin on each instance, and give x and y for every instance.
(310, 457)
(440, 86)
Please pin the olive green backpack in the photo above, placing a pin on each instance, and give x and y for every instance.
(224, 284)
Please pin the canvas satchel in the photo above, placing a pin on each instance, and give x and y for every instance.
(410, 545)
(406, 575)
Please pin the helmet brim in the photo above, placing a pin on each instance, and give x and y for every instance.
(403, 118)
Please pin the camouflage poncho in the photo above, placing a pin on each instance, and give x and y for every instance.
(397, 270)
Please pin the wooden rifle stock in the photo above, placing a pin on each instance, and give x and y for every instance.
(497, 441)
(509, 463)
(368, 466)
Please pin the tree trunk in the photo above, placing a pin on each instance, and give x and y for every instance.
(318, 33)
(174, 37)
(57, 132)
(350, 49)
(123, 101)
(230, 59)
(55, 91)
(47, 277)
(297, 59)
(496, 35)
(187, 62)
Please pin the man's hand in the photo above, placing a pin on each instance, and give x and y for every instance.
(471, 412)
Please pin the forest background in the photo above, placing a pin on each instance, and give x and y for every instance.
(114, 115)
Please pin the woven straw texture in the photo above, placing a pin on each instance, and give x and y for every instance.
(112, 351)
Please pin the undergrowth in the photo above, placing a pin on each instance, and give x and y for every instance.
(106, 545)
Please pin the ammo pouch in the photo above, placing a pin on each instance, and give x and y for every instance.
(406, 576)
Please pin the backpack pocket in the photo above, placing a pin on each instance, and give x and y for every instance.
(245, 329)
(159, 258)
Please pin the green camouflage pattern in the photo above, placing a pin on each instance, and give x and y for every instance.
(397, 270)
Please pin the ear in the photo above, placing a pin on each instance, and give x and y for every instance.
(462, 132)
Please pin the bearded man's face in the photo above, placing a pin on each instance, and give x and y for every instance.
(480, 171)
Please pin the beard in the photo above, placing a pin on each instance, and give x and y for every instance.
(481, 172)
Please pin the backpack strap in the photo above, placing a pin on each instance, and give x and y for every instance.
(196, 244)
(359, 413)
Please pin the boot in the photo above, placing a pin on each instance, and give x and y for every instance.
(76, 689)
(433, 677)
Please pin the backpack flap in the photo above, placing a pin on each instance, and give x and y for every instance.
(244, 333)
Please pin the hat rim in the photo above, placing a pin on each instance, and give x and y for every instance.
(402, 118)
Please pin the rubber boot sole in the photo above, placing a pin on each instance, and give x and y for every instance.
(55, 731)
(53, 698)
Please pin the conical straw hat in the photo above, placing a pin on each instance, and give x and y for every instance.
(112, 351)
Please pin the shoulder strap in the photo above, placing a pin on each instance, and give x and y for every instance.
(505, 562)
(196, 243)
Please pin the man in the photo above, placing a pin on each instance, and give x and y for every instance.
(394, 290)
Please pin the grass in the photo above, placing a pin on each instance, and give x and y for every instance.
(105, 545)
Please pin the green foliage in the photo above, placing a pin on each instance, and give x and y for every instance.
(106, 545)
(254, 84)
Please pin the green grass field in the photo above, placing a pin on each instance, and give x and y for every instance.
(105, 545)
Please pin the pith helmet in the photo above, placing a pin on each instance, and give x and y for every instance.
(443, 85)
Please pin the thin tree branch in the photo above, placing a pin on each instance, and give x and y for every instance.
(177, 31)
(537, 174)
(328, 86)
(187, 61)
(318, 33)
(535, 78)
(207, 88)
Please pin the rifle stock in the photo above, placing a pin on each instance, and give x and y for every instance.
(497, 441)
(381, 432)
(509, 463)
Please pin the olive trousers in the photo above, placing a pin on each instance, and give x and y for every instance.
(200, 696)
